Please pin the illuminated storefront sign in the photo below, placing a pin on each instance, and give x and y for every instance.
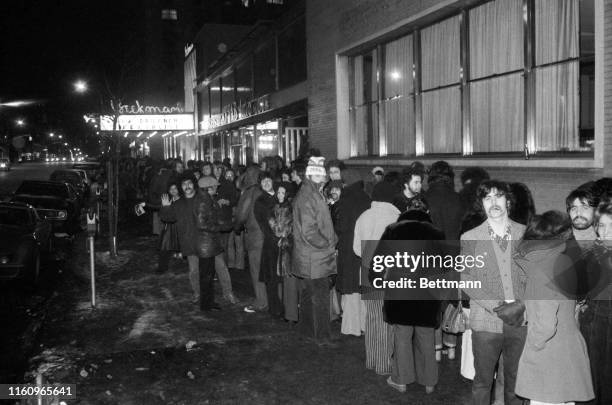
(148, 122)
(235, 112)
(149, 109)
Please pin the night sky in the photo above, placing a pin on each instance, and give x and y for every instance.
(46, 45)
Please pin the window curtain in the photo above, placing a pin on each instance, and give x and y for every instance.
(399, 97)
(442, 120)
(497, 114)
(440, 54)
(440, 62)
(557, 30)
(400, 126)
(496, 38)
(358, 123)
(557, 108)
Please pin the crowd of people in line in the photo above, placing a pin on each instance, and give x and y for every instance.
(299, 232)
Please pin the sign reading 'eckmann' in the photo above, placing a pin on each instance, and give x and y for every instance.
(148, 122)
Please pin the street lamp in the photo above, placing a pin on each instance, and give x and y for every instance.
(20, 122)
(51, 134)
(59, 136)
(80, 86)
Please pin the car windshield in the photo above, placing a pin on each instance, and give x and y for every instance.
(34, 188)
(71, 177)
(14, 216)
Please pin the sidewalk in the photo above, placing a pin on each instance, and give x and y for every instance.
(147, 343)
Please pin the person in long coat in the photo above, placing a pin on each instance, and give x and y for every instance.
(281, 223)
(352, 203)
(168, 239)
(554, 366)
(253, 238)
(414, 316)
(446, 209)
(262, 209)
(314, 252)
(370, 226)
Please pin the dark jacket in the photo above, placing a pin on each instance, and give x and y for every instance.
(353, 202)
(263, 208)
(402, 202)
(314, 252)
(197, 224)
(420, 307)
(446, 208)
(244, 211)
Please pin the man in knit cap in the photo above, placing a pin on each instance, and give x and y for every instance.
(314, 252)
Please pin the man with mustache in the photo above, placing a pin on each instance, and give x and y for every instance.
(196, 218)
(581, 204)
(496, 312)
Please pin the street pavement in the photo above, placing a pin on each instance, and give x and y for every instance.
(145, 342)
(10, 180)
(23, 308)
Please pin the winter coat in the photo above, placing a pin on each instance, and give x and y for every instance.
(314, 252)
(402, 202)
(554, 366)
(353, 202)
(371, 225)
(264, 205)
(244, 211)
(227, 191)
(281, 223)
(197, 224)
(169, 237)
(403, 306)
(446, 208)
(483, 300)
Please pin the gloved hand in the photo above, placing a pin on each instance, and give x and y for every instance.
(512, 313)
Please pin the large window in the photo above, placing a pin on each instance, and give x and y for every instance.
(364, 104)
(244, 80)
(265, 68)
(498, 77)
(292, 54)
(215, 100)
(227, 90)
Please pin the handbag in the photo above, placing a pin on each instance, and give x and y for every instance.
(455, 320)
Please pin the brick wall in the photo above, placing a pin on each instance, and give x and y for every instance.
(334, 25)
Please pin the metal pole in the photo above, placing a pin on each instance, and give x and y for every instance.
(92, 267)
(98, 215)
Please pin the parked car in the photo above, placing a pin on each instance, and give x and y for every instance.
(5, 164)
(23, 236)
(55, 201)
(72, 177)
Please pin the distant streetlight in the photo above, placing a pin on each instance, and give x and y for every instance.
(59, 136)
(51, 134)
(65, 143)
(20, 122)
(80, 86)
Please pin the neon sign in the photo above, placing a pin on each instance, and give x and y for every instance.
(148, 122)
(149, 109)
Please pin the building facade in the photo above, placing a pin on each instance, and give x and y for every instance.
(250, 101)
(515, 86)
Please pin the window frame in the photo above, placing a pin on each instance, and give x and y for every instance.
(413, 26)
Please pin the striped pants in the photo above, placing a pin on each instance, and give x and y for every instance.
(378, 337)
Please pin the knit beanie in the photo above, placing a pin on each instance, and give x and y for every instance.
(384, 192)
(316, 166)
